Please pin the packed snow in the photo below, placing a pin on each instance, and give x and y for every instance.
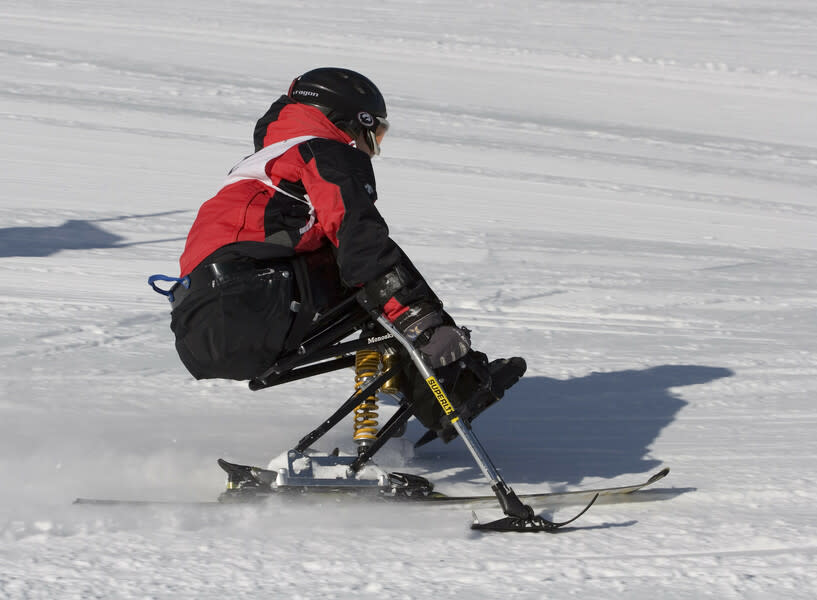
(624, 193)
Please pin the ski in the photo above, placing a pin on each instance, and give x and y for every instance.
(403, 487)
(580, 496)
(145, 503)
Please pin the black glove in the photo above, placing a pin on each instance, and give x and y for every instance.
(423, 323)
(446, 345)
(439, 343)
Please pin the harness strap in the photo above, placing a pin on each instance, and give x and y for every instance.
(184, 282)
(211, 275)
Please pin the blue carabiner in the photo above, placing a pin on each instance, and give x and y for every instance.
(183, 281)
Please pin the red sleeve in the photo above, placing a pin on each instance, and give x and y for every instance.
(327, 200)
(393, 309)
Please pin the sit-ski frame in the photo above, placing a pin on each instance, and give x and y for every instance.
(310, 359)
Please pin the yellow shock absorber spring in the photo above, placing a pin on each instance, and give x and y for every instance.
(392, 386)
(367, 366)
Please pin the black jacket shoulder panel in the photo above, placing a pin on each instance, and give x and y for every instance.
(336, 162)
(271, 115)
(365, 249)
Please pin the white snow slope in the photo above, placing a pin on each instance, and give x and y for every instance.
(621, 192)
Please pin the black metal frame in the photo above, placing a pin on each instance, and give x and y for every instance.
(314, 356)
(324, 351)
(323, 342)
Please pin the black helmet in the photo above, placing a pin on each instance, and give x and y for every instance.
(350, 100)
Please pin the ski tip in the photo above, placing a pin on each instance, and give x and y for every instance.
(231, 467)
(660, 475)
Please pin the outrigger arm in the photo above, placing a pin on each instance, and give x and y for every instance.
(519, 516)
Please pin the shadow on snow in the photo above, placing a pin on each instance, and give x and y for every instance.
(71, 235)
(560, 431)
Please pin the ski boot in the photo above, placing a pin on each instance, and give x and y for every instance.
(502, 374)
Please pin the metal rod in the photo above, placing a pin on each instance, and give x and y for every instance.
(384, 435)
(477, 451)
(346, 408)
(323, 338)
(508, 500)
(342, 362)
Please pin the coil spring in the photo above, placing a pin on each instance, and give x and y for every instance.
(392, 386)
(367, 365)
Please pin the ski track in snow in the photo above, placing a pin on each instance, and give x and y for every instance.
(622, 193)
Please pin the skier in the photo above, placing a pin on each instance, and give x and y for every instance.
(297, 219)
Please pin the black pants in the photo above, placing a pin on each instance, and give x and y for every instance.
(234, 327)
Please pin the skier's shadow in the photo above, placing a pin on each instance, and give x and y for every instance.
(560, 431)
(74, 234)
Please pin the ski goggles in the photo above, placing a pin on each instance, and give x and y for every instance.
(375, 135)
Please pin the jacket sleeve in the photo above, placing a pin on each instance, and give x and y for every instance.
(341, 187)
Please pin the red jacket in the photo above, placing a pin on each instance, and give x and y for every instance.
(293, 196)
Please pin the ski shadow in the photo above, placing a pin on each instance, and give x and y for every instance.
(74, 234)
(561, 431)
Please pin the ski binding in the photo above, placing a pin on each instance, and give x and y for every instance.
(314, 472)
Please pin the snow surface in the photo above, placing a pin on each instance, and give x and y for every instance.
(621, 192)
